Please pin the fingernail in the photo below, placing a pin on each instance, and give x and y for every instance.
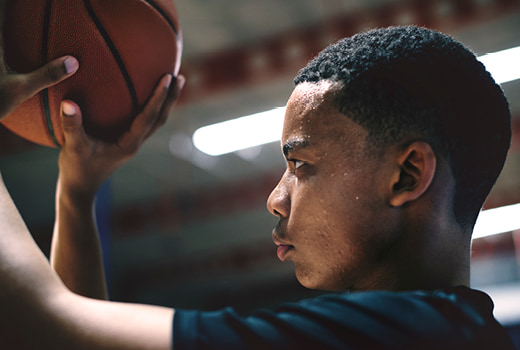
(182, 81)
(68, 109)
(71, 65)
(168, 80)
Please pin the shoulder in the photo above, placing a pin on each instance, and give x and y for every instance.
(448, 319)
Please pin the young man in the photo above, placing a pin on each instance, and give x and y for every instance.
(385, 135)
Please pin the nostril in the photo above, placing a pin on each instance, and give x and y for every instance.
(278, 202)
(279, 206)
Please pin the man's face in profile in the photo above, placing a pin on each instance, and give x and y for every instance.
(329, 197)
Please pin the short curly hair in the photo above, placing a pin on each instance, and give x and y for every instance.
(411, 83)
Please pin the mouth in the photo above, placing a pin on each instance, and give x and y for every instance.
(282, 250)
(283, 247)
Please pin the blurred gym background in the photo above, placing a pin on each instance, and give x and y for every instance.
(185, 229)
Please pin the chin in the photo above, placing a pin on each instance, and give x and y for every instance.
(316, 283)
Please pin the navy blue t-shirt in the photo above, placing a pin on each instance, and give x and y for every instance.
(455, 318)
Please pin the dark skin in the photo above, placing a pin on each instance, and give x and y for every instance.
(58, 317)
(350, 220)
(420, 247)
(55, 316)
(85, 163)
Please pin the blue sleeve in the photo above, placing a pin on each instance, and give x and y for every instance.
(289, 327)
(375, 320)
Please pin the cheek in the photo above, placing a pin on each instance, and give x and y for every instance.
(339, 227)
(348, 219)
(334, 241)
(326, 265)
(323, 202)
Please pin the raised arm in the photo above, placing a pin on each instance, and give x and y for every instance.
(35, 303)
(32, 296)
(84, 165)
(76, 251)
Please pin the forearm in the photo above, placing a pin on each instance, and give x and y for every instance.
(84, 165)
(24, 270)
(35, 301)
(76, 253)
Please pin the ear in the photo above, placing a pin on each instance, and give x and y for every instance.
(417, 165)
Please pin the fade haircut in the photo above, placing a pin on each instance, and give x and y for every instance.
(404, 84)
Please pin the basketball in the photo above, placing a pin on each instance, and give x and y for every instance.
(124, 47)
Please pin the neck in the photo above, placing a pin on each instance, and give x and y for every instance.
(435, 249)
(425, 258)
(434, 259)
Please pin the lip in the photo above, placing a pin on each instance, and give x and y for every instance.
(282, 250)
(282, 247)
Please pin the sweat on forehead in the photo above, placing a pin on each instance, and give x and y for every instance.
(311, 94)
(312, 120)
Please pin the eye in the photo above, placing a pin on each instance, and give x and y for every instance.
(297, 163)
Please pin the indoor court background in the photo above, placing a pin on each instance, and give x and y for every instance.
(185, 229)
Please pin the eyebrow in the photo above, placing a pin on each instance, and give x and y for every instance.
(293, 145)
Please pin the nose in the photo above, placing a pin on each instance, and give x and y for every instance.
(279, 202)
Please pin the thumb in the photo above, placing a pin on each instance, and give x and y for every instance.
(71, 121)
(50, 74)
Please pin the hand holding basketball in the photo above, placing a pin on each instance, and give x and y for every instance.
(124, 47)
(85, 160)
(85, 163)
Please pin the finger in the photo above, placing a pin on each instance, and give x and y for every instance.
(71, 123)
(48, 75)
(168, 105)
(145, 120)
(173, 95)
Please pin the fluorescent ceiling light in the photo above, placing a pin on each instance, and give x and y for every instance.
(236, 134)
(503, 65)
(497, 220)
(265, 127)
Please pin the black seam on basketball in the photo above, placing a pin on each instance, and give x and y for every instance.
(164, 15)
(45, 93)
(115, 54)
(45, 98)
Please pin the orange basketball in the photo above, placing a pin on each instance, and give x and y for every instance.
(124, 47)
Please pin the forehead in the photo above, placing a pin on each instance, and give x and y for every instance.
(312, 118)
(307, 96)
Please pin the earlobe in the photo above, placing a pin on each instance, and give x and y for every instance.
(417, 164)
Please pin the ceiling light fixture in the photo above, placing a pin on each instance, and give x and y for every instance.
(497, 220)
(241, 133)
(503, 65)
